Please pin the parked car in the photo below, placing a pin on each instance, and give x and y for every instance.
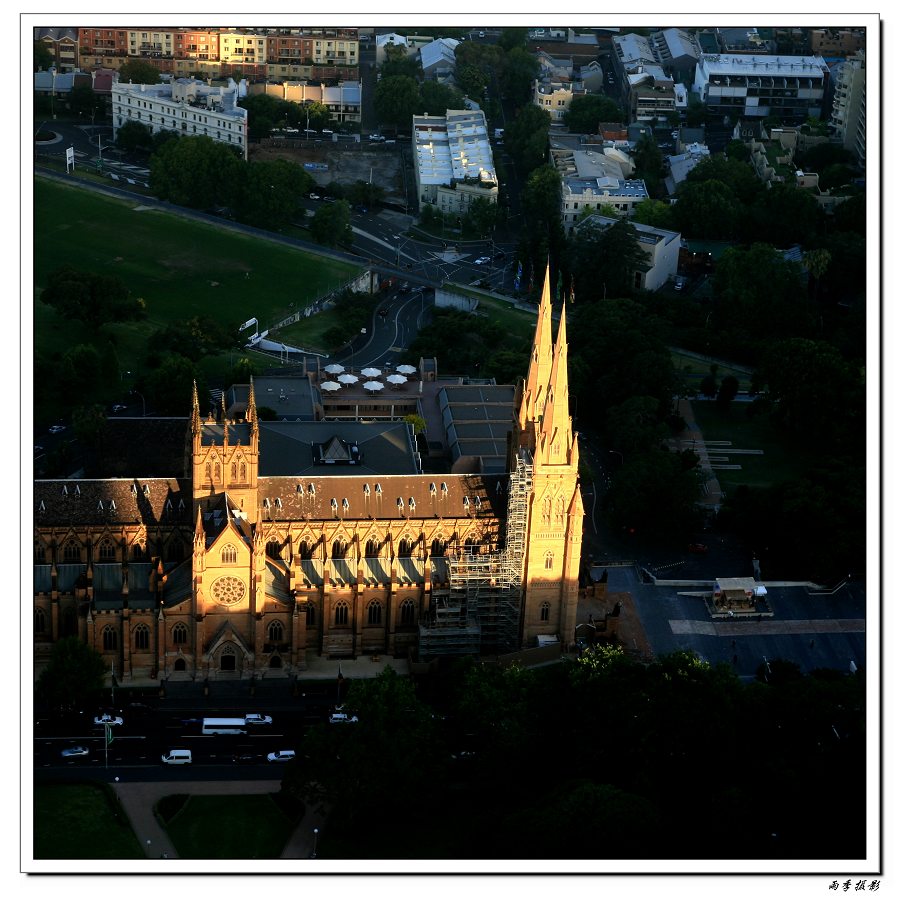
(697, 548)
(314, 197)
(118, 407)
(377, 138)
(107, 719)
(70, 752)
(327, 131)
(281, 756)
(482, 260)
(257, 719)
(404, 288)
(245, 759)
(341, 718)
(57, 429)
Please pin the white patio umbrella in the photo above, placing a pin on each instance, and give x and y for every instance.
(406, 370)
(347, 378)
(330, 386)
(371, 372)
(334, 369)
(396, 379)
(373, 386)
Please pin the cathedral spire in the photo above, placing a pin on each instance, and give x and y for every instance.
(195, 411)
(555, 439)
(250, 415)
(534, 392)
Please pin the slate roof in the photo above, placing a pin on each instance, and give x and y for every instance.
(113, 501)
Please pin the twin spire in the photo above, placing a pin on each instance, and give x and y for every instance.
(544, 423)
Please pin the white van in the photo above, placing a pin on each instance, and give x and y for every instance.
(177, 758)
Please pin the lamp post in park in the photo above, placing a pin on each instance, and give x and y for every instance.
(315, 842)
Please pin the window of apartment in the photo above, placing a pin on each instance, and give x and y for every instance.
(142, 638)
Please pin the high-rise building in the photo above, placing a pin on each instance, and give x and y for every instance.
(280, 540)
(849, 112)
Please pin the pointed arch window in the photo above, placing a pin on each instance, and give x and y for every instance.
(273, 550)
(405, 548)
(438, 547)
(560, 511)
(40, 553)
(341, 613)
(545, 611)
(310, 616)
(276, 632)
(304, 550)
(69, 622)
(179, 634)
(209, 471)
(142, 637)
(110, 639)
(373, 613)
(234, 471)
(106, 550)
(407, 612)
(137, 552)
(229, 554)
(218, 472)
(71, 552)
(546, 510)
(339, 549)
(40, 621)
(372, 546)
(548, 559)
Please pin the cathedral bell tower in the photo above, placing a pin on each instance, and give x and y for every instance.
(224, 457)
(556, 514)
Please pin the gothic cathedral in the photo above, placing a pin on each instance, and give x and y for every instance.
(226, 572)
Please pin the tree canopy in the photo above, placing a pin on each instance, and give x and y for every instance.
(137, 71)
(397, 99)
(526, 137)
(90, 297)
(73, 677)
(194, 171)
(331, 224)
(587, 111)
(605, 260)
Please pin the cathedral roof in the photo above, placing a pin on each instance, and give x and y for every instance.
(383, 497)
(112, 501)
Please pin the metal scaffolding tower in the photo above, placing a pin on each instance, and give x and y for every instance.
(480, 611)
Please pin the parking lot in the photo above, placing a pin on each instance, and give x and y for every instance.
(346, 162)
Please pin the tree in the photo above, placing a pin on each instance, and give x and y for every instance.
(697, 114)
(267, 194)
(738, 176)
(169, 385)
(264, 113)
(89, 424)
(635, 425)
(541, 197)
(836, 176)
(74, 676)
(648, 161)
(397, 61)
(706, 209)
(82, 99)
(331, 224)
(587, 111)
(397, 99)
(728, 390)
(137, 71)
(606, 258)
(417, 422)
(760, 294)
(481, 216)
(471, 80)
(81, 369)
(817, 262)
(513, 37)
(364, 193)
(91, 298)
(526, 137)
(134, 136)
(436, 98)
(193, 170)
(737, 150)
(519, 72)
(783, 215)
(655, 213)
(43, 58)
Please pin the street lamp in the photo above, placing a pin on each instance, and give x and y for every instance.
(143, 402)
(315, 842)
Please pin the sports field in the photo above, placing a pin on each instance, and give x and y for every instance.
(179, 267)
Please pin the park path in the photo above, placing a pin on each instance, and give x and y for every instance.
(692, 439)
(138, 800)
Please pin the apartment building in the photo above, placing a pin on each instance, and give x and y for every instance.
(453, 160)
(789, 87)
(650, 95)
(555, 94)
(188, 107)
(837, 41)
(344, 100)
(63, 46)
(849, 112)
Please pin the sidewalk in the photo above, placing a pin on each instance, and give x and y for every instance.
(139, 799)
(692, 439)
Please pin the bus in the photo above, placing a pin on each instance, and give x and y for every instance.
(224, 726)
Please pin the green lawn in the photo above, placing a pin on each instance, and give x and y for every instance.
(248, 826)
(179, 267)
(694, 370)
(516, 322)
(81, 821)
(783, 458)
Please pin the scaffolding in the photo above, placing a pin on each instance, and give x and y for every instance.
(480, 611)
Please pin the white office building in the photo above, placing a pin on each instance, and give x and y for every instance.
(186, 106)
(453, 160)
